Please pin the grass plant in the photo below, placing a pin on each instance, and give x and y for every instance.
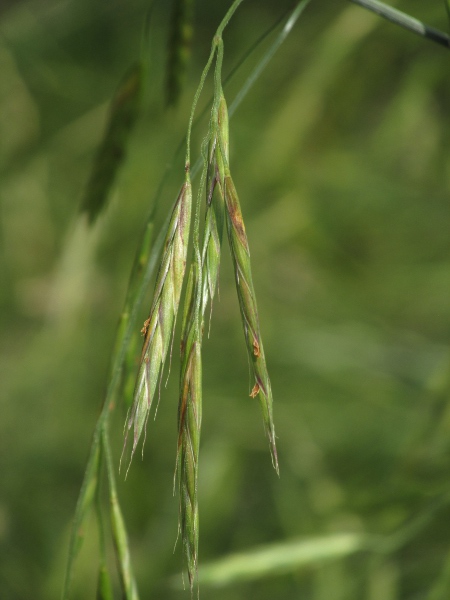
(216, 190)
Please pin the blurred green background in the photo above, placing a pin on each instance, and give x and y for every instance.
(340, 154)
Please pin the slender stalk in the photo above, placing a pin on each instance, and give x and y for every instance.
(104, 587)
(84, 502)
(196, 167)
(129, 588)
(406, 21)
(216, 41)
(287, 28)
(195, 101)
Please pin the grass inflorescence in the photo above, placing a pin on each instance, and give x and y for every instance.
(222, 207)
(170, 246)
(217, 188)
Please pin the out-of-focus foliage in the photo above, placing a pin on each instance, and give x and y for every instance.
(341, 155)
(124, 112)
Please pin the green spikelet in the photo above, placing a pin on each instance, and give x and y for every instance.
(179, 49)
(123, 114)
(189, 425)
(215, 212)
(158, 328)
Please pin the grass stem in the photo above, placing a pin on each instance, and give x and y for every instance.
(406, 21)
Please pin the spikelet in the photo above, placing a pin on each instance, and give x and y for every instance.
(249, 313)
(227, 200)
(189, 425)
(158, 328)
(240, 254)
(215, 212)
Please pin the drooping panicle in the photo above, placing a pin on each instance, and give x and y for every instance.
(158, 328)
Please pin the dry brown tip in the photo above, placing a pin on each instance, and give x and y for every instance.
(255, 391)
(238, 222)
(256, 349)
(145, 328)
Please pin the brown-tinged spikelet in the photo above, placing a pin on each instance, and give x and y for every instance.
(158, 328)
(227, 201)
(240, 254)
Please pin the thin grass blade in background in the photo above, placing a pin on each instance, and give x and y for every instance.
(281, 558)
(406, 21)
(124, 111)
(180, 45)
